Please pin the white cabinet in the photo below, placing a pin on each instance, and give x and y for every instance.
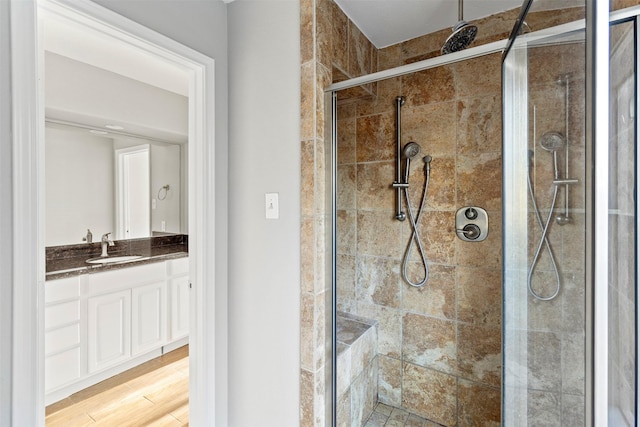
(149, 317)
(108, 330)
(100, 324)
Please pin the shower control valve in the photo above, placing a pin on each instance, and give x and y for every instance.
(472, 224)
(471, 213)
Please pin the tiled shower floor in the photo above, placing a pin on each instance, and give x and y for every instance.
(388, 416)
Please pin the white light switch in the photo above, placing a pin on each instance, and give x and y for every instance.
(271, 209)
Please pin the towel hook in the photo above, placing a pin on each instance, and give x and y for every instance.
(162, 196)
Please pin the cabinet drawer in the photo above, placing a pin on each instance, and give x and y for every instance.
(178, 266)
(61, 339)
(61, 369)
(61, 314)
(62, 289)
(110, 281)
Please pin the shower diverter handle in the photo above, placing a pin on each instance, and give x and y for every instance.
(471, 231)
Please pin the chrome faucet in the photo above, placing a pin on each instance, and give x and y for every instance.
(105, 242)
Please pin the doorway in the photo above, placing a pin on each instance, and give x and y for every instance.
(139, 125)
(132, 192)
(28, 134)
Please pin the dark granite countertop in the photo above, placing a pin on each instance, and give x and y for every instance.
(70, 260)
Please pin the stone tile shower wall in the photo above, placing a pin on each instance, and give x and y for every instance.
(439, 347)
(454, 113)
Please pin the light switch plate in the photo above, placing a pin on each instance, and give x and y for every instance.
(271, 208)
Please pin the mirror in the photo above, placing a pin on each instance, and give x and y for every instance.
(115, 142)
(131, 187)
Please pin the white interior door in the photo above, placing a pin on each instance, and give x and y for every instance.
(133, 219)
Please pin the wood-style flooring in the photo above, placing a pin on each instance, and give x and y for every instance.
(155, 393)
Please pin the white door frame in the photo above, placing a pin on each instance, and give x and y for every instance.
(207, 338)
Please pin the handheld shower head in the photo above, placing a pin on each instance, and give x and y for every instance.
(410, 150)
(552, 141)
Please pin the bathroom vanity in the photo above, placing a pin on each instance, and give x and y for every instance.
(101, 320)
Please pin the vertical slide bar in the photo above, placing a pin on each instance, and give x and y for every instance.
(400, 216)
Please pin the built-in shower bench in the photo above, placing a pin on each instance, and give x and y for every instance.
(357, 366)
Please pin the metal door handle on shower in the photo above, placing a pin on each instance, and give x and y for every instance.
(565, 181)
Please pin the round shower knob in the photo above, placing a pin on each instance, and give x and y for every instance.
(471, 213)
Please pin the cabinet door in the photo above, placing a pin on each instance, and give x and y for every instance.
(109, 330)
(149, 317)
(179, 307)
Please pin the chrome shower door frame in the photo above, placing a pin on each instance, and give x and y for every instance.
(515, 237)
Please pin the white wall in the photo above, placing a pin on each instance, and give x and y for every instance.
(6, 223)
(79, 183)
(81, 93)
(264, 255)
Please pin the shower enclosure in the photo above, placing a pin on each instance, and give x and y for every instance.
(508, 330)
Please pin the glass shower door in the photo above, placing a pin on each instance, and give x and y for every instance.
(570, 227)
(544, 237)
(622, 219)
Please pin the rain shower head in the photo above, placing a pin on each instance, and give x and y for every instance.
(410, 150)
(463, 34)
(552, 141)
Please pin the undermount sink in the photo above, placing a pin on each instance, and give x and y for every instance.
(113, 259)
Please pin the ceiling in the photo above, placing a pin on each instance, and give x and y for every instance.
(387, 22)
